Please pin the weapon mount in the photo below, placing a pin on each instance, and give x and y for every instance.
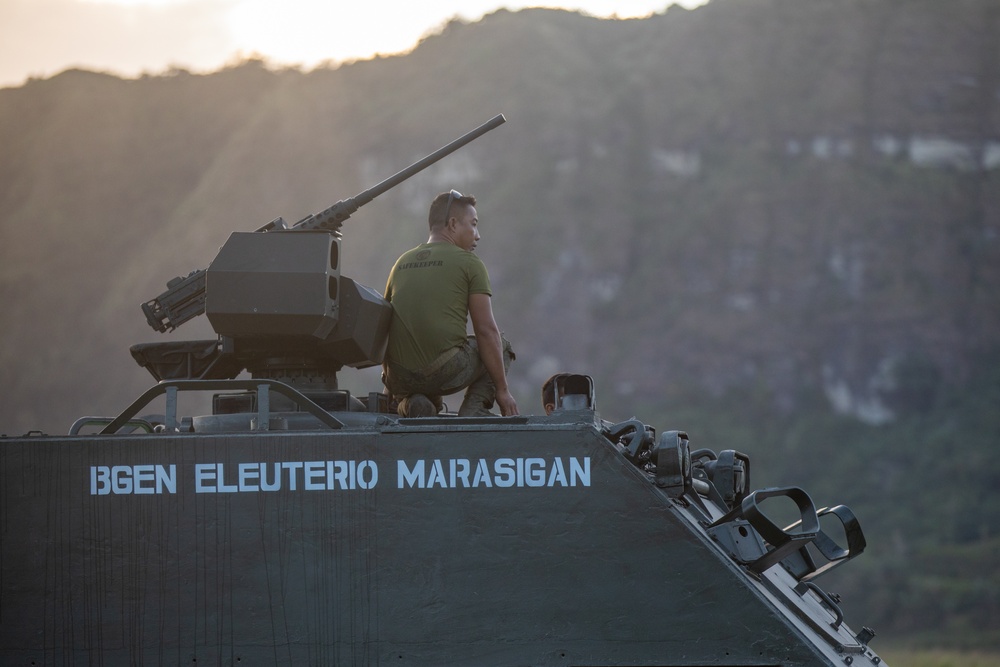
(279, 303)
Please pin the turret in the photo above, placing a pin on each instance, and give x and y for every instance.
(279, 304)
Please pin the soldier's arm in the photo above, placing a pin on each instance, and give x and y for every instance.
(491, 349)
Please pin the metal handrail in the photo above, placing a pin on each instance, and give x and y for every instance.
(262, 386)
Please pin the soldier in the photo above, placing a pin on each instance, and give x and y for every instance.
(434, 289)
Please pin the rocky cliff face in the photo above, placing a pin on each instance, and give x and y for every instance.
(802, 197)
(788, 195)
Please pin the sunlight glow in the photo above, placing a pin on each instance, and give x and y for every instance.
(131, 37)
(309, 32)
(135, 3)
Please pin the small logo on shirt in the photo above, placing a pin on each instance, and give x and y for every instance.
(423, 254)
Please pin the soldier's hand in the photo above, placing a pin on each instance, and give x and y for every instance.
(505, 400)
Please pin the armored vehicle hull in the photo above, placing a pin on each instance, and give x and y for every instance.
(488, 541)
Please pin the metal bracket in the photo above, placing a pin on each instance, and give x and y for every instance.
(782, 542)
(673, 463)
(804, 569)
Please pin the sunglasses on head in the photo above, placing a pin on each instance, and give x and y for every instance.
(452, 196)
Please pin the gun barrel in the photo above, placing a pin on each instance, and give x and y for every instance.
(420, 165)
(333, 217)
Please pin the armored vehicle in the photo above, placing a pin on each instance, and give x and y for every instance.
(300, 524)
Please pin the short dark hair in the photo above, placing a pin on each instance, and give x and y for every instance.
(438, 215)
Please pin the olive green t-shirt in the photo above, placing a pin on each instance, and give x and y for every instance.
(429, 290)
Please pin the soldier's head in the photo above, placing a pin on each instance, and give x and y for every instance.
(446, 205)
(453, 219)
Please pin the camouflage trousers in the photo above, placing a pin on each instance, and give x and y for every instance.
(456, 369)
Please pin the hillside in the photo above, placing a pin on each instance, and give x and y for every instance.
(784, 210)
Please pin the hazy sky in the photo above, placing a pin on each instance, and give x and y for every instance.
(128, 37)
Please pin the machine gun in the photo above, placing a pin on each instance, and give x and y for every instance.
(278, 302)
